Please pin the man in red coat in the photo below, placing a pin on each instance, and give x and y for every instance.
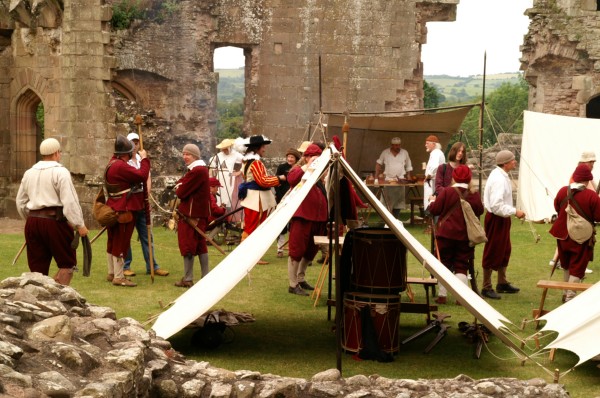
(309, 220)
(451, 230)
(193, 190)
(575, 256)
(123, 183)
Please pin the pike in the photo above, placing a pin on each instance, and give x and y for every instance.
(218, 220)
(19, 253)
(193, 225)
(138, 121)
(97, 235)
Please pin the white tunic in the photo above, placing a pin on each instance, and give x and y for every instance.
(436, 158)
(497, 195)
(395, 166)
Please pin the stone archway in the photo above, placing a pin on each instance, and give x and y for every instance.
(27, 133)
(592, 108)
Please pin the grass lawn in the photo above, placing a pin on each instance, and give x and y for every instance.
(293, 338)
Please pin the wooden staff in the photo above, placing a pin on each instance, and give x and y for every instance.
(138, 122)
(200, 232)
(19, 253)
(97, 235)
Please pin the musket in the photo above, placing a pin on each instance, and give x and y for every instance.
(19, 253)
(193, 225)
(218, 220)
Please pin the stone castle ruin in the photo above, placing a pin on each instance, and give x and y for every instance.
(64, 58)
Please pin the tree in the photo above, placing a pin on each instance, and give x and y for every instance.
(231, 118)
(432, 97)
(504, 114)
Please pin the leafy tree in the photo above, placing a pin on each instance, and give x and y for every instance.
(503, 114)
(231, 118)
(432, 97)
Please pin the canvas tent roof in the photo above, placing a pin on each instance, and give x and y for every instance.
(370, 133)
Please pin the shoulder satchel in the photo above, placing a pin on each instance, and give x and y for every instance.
(475, 231)
(104, 214)
(579, 227)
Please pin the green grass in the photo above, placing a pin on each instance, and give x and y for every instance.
(292, 338)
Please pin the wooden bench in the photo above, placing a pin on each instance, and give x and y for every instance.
(544, 284)
(419, 308)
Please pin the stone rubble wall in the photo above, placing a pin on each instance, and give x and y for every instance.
(55, 344)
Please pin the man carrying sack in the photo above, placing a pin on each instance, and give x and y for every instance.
(49, 202)
(121, 180)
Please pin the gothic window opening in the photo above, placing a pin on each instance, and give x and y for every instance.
(28, 132)
(232, 66)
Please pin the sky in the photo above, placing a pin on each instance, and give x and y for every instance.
(495, 27)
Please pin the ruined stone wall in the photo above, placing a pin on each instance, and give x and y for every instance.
(561, 56)
(82, 71)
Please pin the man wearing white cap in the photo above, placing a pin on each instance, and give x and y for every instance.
(393, 165)
(140, 220)
(498, 202)
(49, 202)
(226, 166)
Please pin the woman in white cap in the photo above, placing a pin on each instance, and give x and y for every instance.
(226, 167)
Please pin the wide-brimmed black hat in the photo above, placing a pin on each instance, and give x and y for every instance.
(258, 140)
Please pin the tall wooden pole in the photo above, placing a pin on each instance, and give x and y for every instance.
(138, 122)
(481, 111)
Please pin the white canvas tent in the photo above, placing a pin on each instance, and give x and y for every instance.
(552, 146)
(210, 289)
(370, 133)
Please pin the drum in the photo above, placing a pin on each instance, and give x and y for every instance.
(385, 313)
(378, 262)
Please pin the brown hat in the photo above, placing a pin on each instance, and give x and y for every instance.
(432, 138)
(582, 173)
(504, 156)
(294, 152)
(192, 149)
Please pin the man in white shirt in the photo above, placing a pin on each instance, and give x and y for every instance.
(48, 201)
(436, 158)
(498, 202)
(394, 165)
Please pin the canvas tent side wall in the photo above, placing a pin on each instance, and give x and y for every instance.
(371, 133)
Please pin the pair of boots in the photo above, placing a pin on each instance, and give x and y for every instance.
(188, 269)
(503, 286)
(115, 272)
(296, 272)
(443, 292)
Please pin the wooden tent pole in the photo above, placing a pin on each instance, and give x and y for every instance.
(481, 109)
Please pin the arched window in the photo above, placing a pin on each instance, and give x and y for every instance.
(28, 132)
(592, 109)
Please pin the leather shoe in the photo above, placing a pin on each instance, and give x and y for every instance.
(279, 254)
(304, 285)
(110, 277)
(297, 290)
(441, 300)
(183, 283)
(507, 288)
(490, 293)
(160, 272)
(123, 282)
(128, 272)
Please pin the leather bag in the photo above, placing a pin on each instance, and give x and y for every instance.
(104, 214)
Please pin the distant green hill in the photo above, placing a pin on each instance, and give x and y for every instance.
(454, 89)
(460, 89)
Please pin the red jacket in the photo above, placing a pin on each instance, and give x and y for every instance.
(314, 206)
(216, 211)
(453, 227)
(194, 193)
(588, 201)
(122, 176)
